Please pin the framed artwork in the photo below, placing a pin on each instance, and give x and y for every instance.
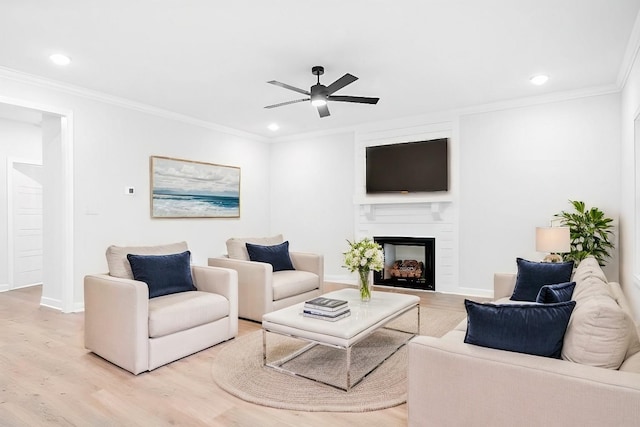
(189, 189)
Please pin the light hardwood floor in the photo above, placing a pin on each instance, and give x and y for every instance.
(47, 377)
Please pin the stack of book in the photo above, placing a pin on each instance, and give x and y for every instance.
(326, 309)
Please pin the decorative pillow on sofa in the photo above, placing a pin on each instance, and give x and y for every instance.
(598, 334)
(117, 256)
(163, 274)
(560, 292)
(536, 329)
(276, 255)
(534, 275)
(237, 249)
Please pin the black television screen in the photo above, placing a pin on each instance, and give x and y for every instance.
(408, 167)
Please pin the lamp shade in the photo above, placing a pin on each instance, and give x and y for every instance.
(553, 239)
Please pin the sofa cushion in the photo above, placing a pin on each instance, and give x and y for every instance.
(588, 267)
(119, 264)
(534, 275)
(276, 255)
(163, 274)
(288, 283)
(182, 311)
(560, 292)
(598, 334)
(237, 249)
(591, 287)
(536, 329)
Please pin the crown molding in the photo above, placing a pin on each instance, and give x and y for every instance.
(630, 54)
(21, 77)
(530, 101)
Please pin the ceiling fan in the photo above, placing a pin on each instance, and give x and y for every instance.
(319, 94)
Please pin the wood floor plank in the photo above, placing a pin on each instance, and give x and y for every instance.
(47, 377)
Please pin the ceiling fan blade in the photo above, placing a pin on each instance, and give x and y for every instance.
(359, 99)
(286, 86)
(340, 83)
(287, 103)
(323, 110)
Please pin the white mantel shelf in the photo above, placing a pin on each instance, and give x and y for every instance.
(401, 199)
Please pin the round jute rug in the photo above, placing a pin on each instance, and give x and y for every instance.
(238, 370)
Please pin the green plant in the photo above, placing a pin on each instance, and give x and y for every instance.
(590, 233)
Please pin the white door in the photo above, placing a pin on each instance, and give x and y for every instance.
(25, 221)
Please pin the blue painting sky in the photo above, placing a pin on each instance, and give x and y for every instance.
(181, 177)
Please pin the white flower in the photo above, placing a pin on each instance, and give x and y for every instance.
(364, 255)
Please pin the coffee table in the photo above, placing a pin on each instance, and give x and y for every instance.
(366, 318)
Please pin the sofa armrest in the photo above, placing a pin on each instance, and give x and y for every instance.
(116, 319)
(313, 263)
(501, 388)
(503, 285)
(221, 281)
(255, 286)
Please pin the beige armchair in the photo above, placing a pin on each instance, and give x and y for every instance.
(260, 289)
(125, 327)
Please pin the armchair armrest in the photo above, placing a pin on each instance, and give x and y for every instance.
(313, 263)
(117, 320)
(221, 281)
(503, 285)
(254, 284)
(508, 388)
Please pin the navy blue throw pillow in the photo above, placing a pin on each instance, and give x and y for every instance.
(560, 292)
(534, 275)
(536, 329)
(276, 255)
(163, 274)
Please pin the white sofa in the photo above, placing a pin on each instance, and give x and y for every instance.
(125, 327)
(451, 383)
(260, 289)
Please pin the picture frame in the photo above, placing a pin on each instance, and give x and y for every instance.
(192, 189)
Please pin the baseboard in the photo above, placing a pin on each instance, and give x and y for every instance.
(4, 287)
(78, 307)
(473, 292)
(56, 304)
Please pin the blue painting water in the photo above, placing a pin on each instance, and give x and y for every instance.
(195, 205)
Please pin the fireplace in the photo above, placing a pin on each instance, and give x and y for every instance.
(409, 262)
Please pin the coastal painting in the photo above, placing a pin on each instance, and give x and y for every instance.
(190, 189)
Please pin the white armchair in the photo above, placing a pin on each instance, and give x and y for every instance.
(260, 289)
(125, 327)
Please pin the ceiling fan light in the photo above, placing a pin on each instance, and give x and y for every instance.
(318, 102)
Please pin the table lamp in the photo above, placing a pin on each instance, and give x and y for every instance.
(554, 240)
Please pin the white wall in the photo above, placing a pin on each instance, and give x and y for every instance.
(112, 145)
(630, 198)
(518, 167)
(312, 196)
(21, 141)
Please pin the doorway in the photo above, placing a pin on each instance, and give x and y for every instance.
(56, 179)
(25, 215)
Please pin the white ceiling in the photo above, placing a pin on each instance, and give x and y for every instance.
(210, 60)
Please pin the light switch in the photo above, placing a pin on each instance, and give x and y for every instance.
(129, 191)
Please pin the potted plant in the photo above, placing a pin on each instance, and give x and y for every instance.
(590, 232)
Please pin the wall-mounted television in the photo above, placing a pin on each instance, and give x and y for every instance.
(408, 167)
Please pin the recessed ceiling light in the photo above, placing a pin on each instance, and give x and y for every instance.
(539, 79)
(60, 59)
(273, 127)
